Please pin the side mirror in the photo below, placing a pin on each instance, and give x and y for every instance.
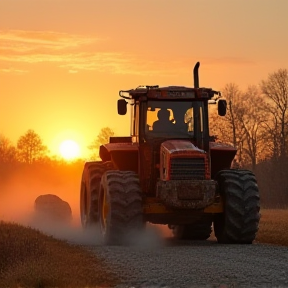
(222, 106)
(122, 106)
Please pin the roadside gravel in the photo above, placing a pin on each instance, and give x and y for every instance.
(157, 262)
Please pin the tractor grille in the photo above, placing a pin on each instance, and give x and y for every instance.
(187, 169)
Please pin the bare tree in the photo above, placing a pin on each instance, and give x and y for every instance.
(275, 89)
(8, 152)
(253, 119)
(232, 95)
(229, 127)
(243, 125)
(102, 138)
(30, 147)
(272, 133)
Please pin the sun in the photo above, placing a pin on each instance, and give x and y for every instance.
(69, 149)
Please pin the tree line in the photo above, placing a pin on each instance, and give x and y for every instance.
(257, 120)
(30, 148)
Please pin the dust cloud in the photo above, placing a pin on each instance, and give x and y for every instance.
(17, 206)
(151, 237)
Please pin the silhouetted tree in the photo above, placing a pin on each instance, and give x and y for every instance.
(8, 152)
(229, 128)
(252, 121)
(243, 125)
(102, 138)
(275, 88)
(30, 147)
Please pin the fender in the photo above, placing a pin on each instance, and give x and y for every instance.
(222, 156)
(123, 155)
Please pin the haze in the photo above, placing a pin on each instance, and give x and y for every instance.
(62, 63)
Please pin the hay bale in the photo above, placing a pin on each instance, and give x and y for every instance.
(50, 207)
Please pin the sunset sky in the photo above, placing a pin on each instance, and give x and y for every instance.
(63, 62)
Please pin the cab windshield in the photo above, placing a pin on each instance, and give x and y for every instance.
(173, 119)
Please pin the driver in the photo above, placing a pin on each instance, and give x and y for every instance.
(163, 124)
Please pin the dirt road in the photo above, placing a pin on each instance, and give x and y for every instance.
(167, 263)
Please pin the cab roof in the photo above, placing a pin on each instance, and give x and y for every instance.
(168, 93)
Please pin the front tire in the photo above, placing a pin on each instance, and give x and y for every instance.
(120, 206)
(90, 185)
(240, 221)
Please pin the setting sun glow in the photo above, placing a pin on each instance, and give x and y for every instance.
(69, 149)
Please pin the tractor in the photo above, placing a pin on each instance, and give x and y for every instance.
(170, 171)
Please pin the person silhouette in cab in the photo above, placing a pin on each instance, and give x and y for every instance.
(163, 124)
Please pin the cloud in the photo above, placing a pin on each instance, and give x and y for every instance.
(71, 52)
(30, 47)
(77, 53)
(113, 62)
(68, 52)
(13, 71)
(228, 61)
(23, 42)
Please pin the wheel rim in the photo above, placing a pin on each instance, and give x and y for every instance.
(105, 208)
(83, 206)
(104, 212)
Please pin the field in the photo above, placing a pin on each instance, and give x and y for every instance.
(273, 227)
(29, 258)
(32, 259)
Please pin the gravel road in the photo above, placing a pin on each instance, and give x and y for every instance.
(155, 261)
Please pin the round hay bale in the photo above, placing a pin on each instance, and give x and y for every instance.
(50, 207)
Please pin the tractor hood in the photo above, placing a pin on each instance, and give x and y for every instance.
(182, 160)
(180, 147)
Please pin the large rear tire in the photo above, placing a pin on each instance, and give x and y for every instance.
(199, 230)
(240, 221)
(120, 206)
(90, 186)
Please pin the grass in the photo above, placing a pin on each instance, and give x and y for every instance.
(273, 227)
(29, 258)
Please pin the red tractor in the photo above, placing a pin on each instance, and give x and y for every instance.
(170, 171)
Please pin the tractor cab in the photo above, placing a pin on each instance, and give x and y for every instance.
(173, 112)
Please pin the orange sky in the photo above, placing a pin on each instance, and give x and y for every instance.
(62, 62)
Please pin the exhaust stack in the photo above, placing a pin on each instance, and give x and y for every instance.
(196, 75)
